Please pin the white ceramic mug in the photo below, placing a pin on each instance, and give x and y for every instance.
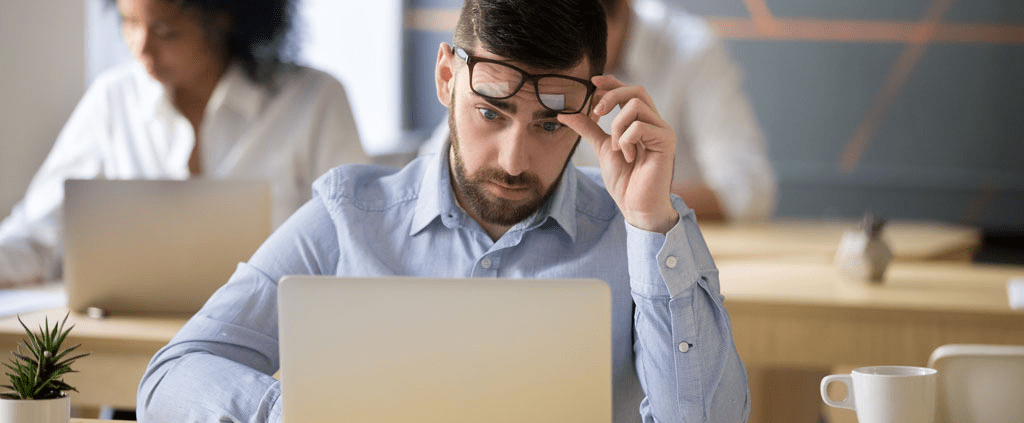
(887, 394)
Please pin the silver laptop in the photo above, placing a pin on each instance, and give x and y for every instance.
(399, 349)
(158, 246)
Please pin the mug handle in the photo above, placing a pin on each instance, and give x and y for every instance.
(844, 379)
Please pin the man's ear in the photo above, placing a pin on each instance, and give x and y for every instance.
(444, 75)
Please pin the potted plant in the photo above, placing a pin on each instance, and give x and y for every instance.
(37, 392)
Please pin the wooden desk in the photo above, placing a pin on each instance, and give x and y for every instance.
(793, 239)
(788, 311)
(805, 314)
(120, 348)
(801, 316)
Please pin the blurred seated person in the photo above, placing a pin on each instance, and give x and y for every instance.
(721, 171)
(211, 94)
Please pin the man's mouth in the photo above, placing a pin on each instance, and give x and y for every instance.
(509, 191)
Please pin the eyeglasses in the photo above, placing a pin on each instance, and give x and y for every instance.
(497, 81)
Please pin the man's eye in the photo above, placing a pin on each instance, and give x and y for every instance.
(488, 114)
(551, 126)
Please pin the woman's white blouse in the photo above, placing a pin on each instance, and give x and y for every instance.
(125, 127)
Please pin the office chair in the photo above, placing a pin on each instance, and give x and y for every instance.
(979, 383)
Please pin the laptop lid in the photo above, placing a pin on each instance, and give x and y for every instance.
(402, 349)
(158, 246)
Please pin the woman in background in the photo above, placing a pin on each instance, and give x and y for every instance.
(213, 94)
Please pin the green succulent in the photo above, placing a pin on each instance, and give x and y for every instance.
(37, 374)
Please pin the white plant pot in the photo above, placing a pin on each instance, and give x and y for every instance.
(57, 410)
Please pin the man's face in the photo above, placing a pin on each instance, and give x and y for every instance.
(507, 155)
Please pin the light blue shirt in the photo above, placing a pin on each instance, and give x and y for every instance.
(673, 354)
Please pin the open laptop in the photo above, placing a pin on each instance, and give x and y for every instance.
(400, 349)
(158, 246)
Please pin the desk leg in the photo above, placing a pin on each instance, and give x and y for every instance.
(783, 395)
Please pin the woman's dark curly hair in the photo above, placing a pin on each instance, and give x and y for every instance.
(258, 34)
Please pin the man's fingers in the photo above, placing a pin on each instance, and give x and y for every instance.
(635, 110)
(611, 92)
(584, 126)
(607, 82)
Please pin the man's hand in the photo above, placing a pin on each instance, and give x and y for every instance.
(637, 157)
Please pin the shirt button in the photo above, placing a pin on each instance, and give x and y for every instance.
(671, 262)
(486, 263)
(684, 347)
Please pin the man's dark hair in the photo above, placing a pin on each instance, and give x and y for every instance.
(257, 35)
(546, 34)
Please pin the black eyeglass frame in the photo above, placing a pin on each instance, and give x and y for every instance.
(471, 61)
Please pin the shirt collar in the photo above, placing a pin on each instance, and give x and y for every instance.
(435, 196)
(237, 92)
(563, 202)
(234, 91)
(436, 200)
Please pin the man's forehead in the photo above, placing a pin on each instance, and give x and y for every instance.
(580, 70)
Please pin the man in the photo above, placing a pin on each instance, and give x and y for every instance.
(722, 170)
(502, 201)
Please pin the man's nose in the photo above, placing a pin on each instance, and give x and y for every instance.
(513, 155)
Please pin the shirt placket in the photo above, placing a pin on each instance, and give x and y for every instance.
(487, 266)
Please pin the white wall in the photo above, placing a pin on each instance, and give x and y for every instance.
(360, 44)
(41, 80)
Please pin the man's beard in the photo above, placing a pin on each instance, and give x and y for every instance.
(489, 208)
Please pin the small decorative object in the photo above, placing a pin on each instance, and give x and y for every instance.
(864, 254)
(37, 392)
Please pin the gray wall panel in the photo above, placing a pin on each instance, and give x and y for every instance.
(810, 96)
(853, 9)
(960, 111)
(992, 11)
(721, 8)
(426, 110)
(845, 201)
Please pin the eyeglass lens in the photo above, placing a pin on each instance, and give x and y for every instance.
(556, 93)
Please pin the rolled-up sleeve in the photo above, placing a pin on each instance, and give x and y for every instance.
(685, 356)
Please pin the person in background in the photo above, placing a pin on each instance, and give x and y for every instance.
(522, 81)
(212, 94)
(721, 168)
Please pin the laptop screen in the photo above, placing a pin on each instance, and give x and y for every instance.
(158, 246)
(445, 350)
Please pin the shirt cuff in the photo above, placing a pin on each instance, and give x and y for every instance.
(662, 265)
